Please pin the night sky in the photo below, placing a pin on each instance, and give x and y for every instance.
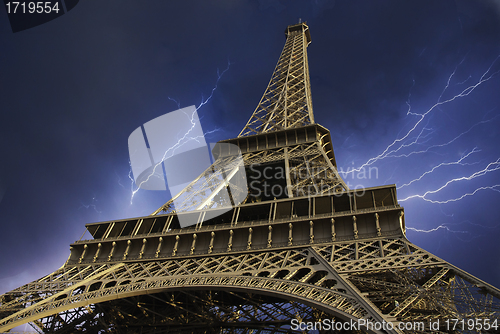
(423, 75)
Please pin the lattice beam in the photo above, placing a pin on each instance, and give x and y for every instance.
(286, 103)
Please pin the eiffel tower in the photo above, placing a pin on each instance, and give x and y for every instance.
(301, 248)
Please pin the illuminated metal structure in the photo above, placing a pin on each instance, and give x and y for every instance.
(315, 250)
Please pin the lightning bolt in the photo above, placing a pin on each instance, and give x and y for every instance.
(491, 167)
(119, 180)
(399, 143)
(175, 101)
(417, 132)
(406, 155)
(453, 74)
(456, 232)
(458, 162)
(219, 76)
(184, 139)
(494, 188)
(91, 205)
(442, 226)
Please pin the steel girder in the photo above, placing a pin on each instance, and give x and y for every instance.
(377, 277)
(309, 172)
(383, 280)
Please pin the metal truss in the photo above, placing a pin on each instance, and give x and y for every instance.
(320, 252)
(321, 176)
(382, 280)
(286, 104)
(205, 191)
(287, 100)
(189, 311)
(308, 170)
(282, 274)
(405, 282)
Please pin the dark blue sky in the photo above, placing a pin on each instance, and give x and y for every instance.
(72, 91)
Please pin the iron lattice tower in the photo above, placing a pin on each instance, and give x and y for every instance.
(316, 251)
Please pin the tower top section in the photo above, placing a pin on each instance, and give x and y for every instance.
(287, 102)
(299, 28)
